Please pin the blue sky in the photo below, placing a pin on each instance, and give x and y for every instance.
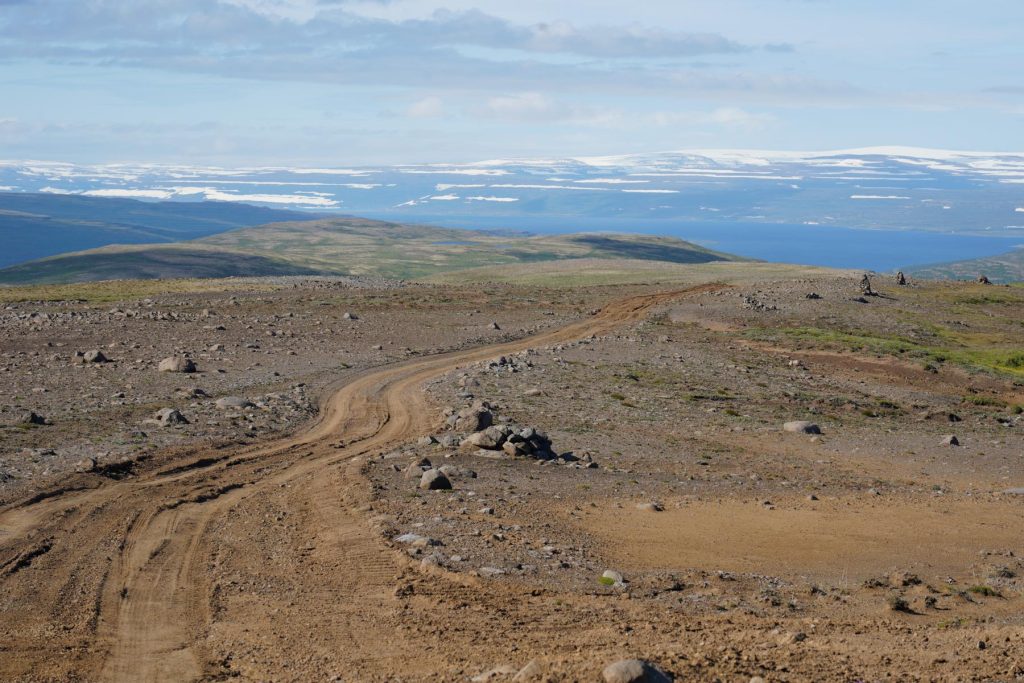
(345, 82)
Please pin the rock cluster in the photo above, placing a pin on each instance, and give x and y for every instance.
(513, 441)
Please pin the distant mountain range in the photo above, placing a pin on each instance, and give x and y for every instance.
(880, 188)
(34, 226)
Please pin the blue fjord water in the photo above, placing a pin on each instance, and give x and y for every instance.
(821, 245)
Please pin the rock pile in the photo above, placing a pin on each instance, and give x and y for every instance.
(513, 441)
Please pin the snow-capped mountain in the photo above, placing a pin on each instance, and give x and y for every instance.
(880, 188)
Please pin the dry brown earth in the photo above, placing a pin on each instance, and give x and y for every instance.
(274, 553)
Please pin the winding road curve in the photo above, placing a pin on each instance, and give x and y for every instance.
(114, 582)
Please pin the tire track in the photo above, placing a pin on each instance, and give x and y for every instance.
(155, 605)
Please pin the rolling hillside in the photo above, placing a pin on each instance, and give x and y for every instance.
(1008, 267)
(34, 226)
(348, 246)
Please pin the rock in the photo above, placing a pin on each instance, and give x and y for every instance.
(414, 471)
(950, 440)
(85, 465)
(350, 316)
(33, 418)
(434, 480)
(233, 403)
(802, 427)
(490, 439)
(610, 575)
(449, 441)
(650, 507)
(514, 449)
(634, 671)
(168, 417)
(177, 364)
(494, 674)
(410, 538)
(494, 326)
(531, 672)
(472, 419)
(215, 348)
(456, 472)
(427, 441)
(94, 356)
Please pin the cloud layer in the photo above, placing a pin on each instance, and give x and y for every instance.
(483, 77)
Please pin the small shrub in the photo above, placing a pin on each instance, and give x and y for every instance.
(897, 603)
(987, 591)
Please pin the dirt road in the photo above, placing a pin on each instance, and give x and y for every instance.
(121, 580)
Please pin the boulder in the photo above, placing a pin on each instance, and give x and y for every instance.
(472, 419)
(168, 417)
(85, 465)
(802, 427)
(489, 439)
(177, 364)
(950, 440)
(434, 480)
(33, 418)
(634, 671)
(233, 403)
(94, 356)
(612, 576)
(457, 472)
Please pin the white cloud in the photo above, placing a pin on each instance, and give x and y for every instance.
(728, 117)
(536, 107)
(426, 108)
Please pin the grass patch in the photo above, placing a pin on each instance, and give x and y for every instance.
(987, 591)
(967, 352)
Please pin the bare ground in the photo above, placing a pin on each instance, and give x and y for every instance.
(274, 555)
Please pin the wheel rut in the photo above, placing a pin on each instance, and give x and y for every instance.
(144, 544)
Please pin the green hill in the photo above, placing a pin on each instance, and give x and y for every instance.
(348, 246)
(1008, 267)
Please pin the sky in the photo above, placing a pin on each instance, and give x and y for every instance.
(372, 82)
